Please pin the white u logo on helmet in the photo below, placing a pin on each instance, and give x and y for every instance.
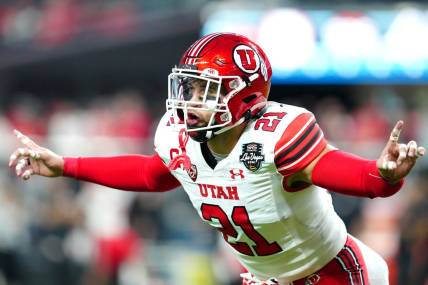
(246, 59)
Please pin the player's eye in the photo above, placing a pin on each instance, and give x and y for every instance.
(187, 94)
(186, 89)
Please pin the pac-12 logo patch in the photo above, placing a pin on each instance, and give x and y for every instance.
(252, 156)
(193, 172)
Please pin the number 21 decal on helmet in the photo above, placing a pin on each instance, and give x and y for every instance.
(234, 75)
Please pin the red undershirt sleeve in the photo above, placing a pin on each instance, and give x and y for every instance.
(129, 172)
(349, 174)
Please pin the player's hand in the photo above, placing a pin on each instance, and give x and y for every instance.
(397, 159)
(33, 159)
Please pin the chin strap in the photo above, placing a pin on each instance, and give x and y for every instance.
(225, 129)
(247, 116)
(205, 135)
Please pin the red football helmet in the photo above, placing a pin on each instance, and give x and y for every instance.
(232, 67)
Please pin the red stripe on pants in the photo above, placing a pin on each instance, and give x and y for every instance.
(350, 271)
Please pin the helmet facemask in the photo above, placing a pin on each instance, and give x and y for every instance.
(181, 88)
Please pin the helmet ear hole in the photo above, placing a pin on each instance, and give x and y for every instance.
(250, 98)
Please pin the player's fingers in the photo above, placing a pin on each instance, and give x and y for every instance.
(27, 174)
(421, 151)
(412, 148)
(388, 164)
(25, 140)
(16, 155)
(395, 134)
(19, 168)
(23, 152)
(402, 153)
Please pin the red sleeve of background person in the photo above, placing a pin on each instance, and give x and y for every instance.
(132, 172)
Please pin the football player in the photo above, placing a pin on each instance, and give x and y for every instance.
(257, 171)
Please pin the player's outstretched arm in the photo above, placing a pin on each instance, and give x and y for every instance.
(349, 174)
(30, 159)
(127, 172)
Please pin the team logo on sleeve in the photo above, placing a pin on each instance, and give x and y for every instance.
(193, 172)
(252, 156)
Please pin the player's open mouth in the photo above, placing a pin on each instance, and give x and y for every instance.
(192, 120)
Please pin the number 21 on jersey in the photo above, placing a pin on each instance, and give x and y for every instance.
(269, 121)
(240, 218)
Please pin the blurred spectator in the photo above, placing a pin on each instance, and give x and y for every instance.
(128, 116)
(371, 124)
(28, 115)
(13, 220)
(335, 123)
(117, 19)
(53, 23)
(59, 22)
(52, 213)
(412, 257)
(20, 22)
(145, 216)
(107, 223)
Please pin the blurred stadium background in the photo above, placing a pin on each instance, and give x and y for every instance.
(90, 78)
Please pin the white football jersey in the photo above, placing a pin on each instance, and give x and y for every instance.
(275, 233)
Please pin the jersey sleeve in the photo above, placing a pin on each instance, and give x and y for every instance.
(300, 143)
(165, 137)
